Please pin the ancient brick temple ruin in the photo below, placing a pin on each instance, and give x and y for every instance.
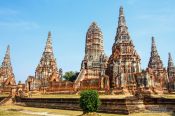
(94, 64)
(121, 73)
(158, 74)
(46, 70)
(124, 64)
(7, 77)
(47, 76)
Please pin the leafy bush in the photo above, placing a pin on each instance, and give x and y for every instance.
(89, 101)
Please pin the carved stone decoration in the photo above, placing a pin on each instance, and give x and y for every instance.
(124, 63)
(94, 63)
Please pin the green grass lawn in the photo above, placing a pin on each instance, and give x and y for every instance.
(5, 110)
(14, 110)
(12, 113)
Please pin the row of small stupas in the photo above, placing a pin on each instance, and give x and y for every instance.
(120, 73)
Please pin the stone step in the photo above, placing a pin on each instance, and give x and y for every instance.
(7, 100)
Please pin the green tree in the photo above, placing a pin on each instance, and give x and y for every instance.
(89, 101)
(70, 76)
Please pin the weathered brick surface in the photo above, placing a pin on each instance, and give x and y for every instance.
(121, 106)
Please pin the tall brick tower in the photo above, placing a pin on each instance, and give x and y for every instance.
(94, 62)
(47, 65)
(124, 63)
(7, 76)
(171, 73)
(159, 72)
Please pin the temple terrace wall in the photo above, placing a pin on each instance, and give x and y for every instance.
(119, 106)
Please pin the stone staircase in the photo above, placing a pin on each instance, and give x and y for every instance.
(79, 78)
(7, 100)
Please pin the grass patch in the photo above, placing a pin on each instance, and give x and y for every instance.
(6, 111)
(12, 113)
(50, 111)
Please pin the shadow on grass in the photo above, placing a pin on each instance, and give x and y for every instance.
(16, 110)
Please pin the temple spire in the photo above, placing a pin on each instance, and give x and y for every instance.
(49, 34)
(94, 63)
(48, 47)
(94, 41)
(153, 48)
(171, 72)
(8, 51)
(122, 33)
(47, 64)
(121, 21)
(6, 70)
(7, 61)
(170, 60)
(124, 62)
(155, 62)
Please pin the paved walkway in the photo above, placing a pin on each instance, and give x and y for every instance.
(40, 113)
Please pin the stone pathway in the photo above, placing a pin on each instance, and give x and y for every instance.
(40, 113)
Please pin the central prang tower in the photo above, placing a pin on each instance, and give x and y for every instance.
(124, 64)
(94, 63)
(94, 43)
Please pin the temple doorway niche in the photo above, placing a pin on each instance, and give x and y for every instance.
(104, 82)
(85, 64)
(29, 83)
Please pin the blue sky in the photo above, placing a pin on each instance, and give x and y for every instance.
(24, 25)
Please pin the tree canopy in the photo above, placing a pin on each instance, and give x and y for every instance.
(70, 76)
